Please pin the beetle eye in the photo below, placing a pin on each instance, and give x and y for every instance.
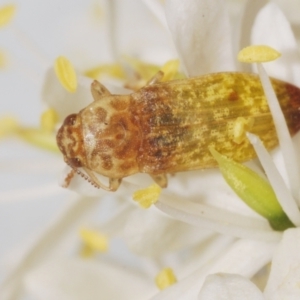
(75, 162)
(70, 120)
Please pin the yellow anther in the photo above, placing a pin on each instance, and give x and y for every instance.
(259, 53)
(39, 138)
(113, 70)
(170, 69)
(94, 240)
(48, 120)
(240, 127)
(165, 278)
(148, 196)
(6, 14)
(66, 74)
(144, 70)
(8, 125)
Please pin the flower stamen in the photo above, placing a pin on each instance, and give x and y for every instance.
(283, 195)
(165, 278)
(94, 241)
(6, 14)
(265, 53)
(258, 53)
(66, 74)
(49, 119)
(148, 196)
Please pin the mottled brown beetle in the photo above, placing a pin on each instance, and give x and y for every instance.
(168, 127)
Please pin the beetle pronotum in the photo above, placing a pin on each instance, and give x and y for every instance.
(168, 127)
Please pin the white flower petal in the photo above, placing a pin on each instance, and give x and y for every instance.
(284, 278)
(216, 219)
(204, 253)
(64, 103)
(229, 287)
(138, 34)
(156, 7)
(76, 279)
(285, 140)
(201, 32)
(291, 9)
(148, 232)
(273, 29)
(244, 257)
(284, 196)
(251, 9)
(55, 236)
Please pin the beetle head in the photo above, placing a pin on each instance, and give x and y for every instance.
(70, 142)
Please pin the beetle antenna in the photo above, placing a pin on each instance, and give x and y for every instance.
(87, 178)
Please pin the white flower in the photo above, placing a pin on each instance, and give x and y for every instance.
(283, 280)
(205, 42)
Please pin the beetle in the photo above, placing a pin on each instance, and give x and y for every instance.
(168, 127)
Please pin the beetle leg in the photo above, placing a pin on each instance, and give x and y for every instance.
(114, 183)
(99, 90)
(156, 78)
(160, 179)
(69, 178)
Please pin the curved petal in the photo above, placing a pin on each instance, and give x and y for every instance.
(148, 232)
(273, 29)
(138, 34)
(251, 9)
(64, 103)
(244, 257)
(202, 35)
(285, 272)
(229, 287)
(291, 9)
(57, 232)
(76, 279)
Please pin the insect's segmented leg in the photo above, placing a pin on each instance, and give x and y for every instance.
(69, 178)
(98, 90)
(161, 180)
(114, 183)
(156, 78)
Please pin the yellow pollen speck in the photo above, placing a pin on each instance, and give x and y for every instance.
(94, 240)
(66, 74)
(240, 127)
(259, 53)
(48, 120)
(148, 196)
(6, 14)
(165, 278)
(170, 69)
